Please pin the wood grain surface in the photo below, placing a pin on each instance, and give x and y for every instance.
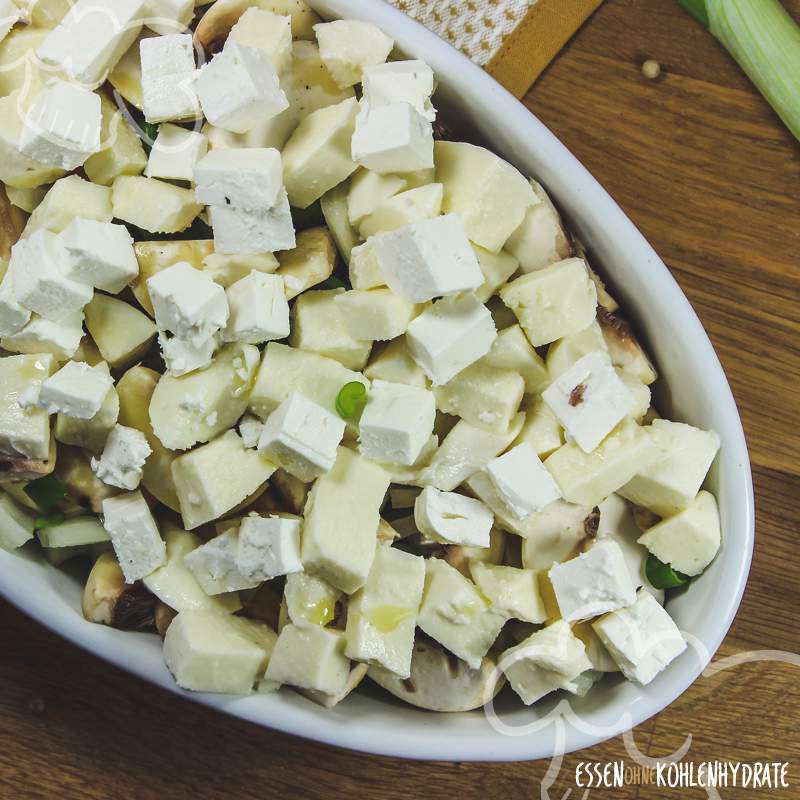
(707, 172)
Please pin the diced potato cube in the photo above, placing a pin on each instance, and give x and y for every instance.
(365, 269)
(512, 350)
(122, 152)
(91, 434)
(497, 268)
(511, 591)
(311, 262)
(334, 208)
(122, 333)
(310, 599)
(541, 430)
(394, 364)
(67, 199)
(16, 524)
(375, 315)
(153, 205)
(23, 432)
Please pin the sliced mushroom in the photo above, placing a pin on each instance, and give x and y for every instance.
(163, 618)
(603, 297)
(553, 535)
(291, 492)
(21, 469)
(459, 555)
(643, 517)
(108, 600)
(75, 471)
(12, 221)
(357, 673)
(262, 604)
(625, 351)
(439, 681)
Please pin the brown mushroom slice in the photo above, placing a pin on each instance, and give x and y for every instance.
(12, 221)
(643, 517)
(262, 604)
(75, 471)
(625, 351)
(439, 681)
(108, 600)
(163, 617)
(357, 673)
(21, 469)
(459, 555)
(603, 297)
(386, 533)
(290, 490)
(555, 534)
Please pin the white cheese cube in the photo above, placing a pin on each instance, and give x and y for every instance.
(13, 316)
(99, 254)
(134, 535)
(671, 483)
(393, 363)
(382, 615)
(310, 657)
(588, 478)
(62, 125)
(317, 156)
(250, 429)
(41, 335)
(689, 540)
(589, 399)
(23, 431)
(182, 357)
(347, 46)
(512, 350)
(168, 78)
(239, 88)
(548, 660)
(91, 434)
(497, 268)
(522, 480)
(259, 27)
(393, 138)
(188, 303)
(409, 82)
(249, 178)
(341, 521)
(375, 315)
(309, 599)
(41, 284)
(553, 302)
(237, 230)
(405, 208)
(168, 16)
(204, 492)
(175, 153)
(302, 437)
(91, 39)
(16, 524)
(76, 390)
(367, 190)
(595, 582)
(215, 567)
(450, 335)
(123, 458)
(511, 591)
(396, 423)
(642, 638)
(452, 518)
(268, 547)
(318, 325)
(455, 613)
(153, 205)
(259, 311)
(211, 652)
(483, 396)
(364, 268)
(541, 429)
(66, 199)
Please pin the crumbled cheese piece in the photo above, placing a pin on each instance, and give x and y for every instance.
(40, 335)
(99, 254)
(259, 311)
(214, 565)
(182, 357)
(237, 230)
(76, 390)
(268, 547)
(250, 429)
(522, 481)
(13, 316)
(123, 458)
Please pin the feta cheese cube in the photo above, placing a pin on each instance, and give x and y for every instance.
(367, 189)
(211, 652)
(341, 521)
(642, 638)
(455, 613)
(16, 524)
(92, 433)
(76, 390)
(204, 493)
(123, 458)
(168, 78)
(593, 583)
(671, 483)
(62, 125)
(522, 480)
(450, 335)
(548, 660)
(248, 178)
(237, 230)
(91, 39)
(317, 156)
(451, 518)
(396, 423)
(268, 547)
(40, 335)
(310, 657)
(259, 311)
(393, 138)
(375, 315)
(258, 27)
(23, 431)
(13, 315)
(134, 535)
(409, 82)
(41, 283)
(99, 254)
(347, 46)
(511, 591)
(382, 615)
(168, 16)
(182, 357)
(553, 302)
(393, 363)
(239, 88)
(175, 153)
(588, 478)
(689, 540)
(188, 303)
(405, 208)
(309, 599)
(302, 437)
(589, 399)
(214, 565)
(250, 429)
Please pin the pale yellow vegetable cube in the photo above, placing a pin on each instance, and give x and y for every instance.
(511, 591)
(122, 333)
(512, 350)
(26, 199)
(66, 199)
(393, 363)
(153, 205)
(561, 355)
(497, 268)
(227, 269)
(310, 599)
(122, 151)
(334, 209)
(309, 263)
(375, 315)
(91, 434)
(365, 269)
(541, 429)
(23, 431)
(16, 524)
(405, 208)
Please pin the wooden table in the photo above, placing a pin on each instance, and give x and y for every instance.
(707, 172)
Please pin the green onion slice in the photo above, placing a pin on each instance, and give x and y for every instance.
(351, 400)
(663, 576)
(46, 492)
(48, 520)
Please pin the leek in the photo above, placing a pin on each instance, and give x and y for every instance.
(765, 41)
